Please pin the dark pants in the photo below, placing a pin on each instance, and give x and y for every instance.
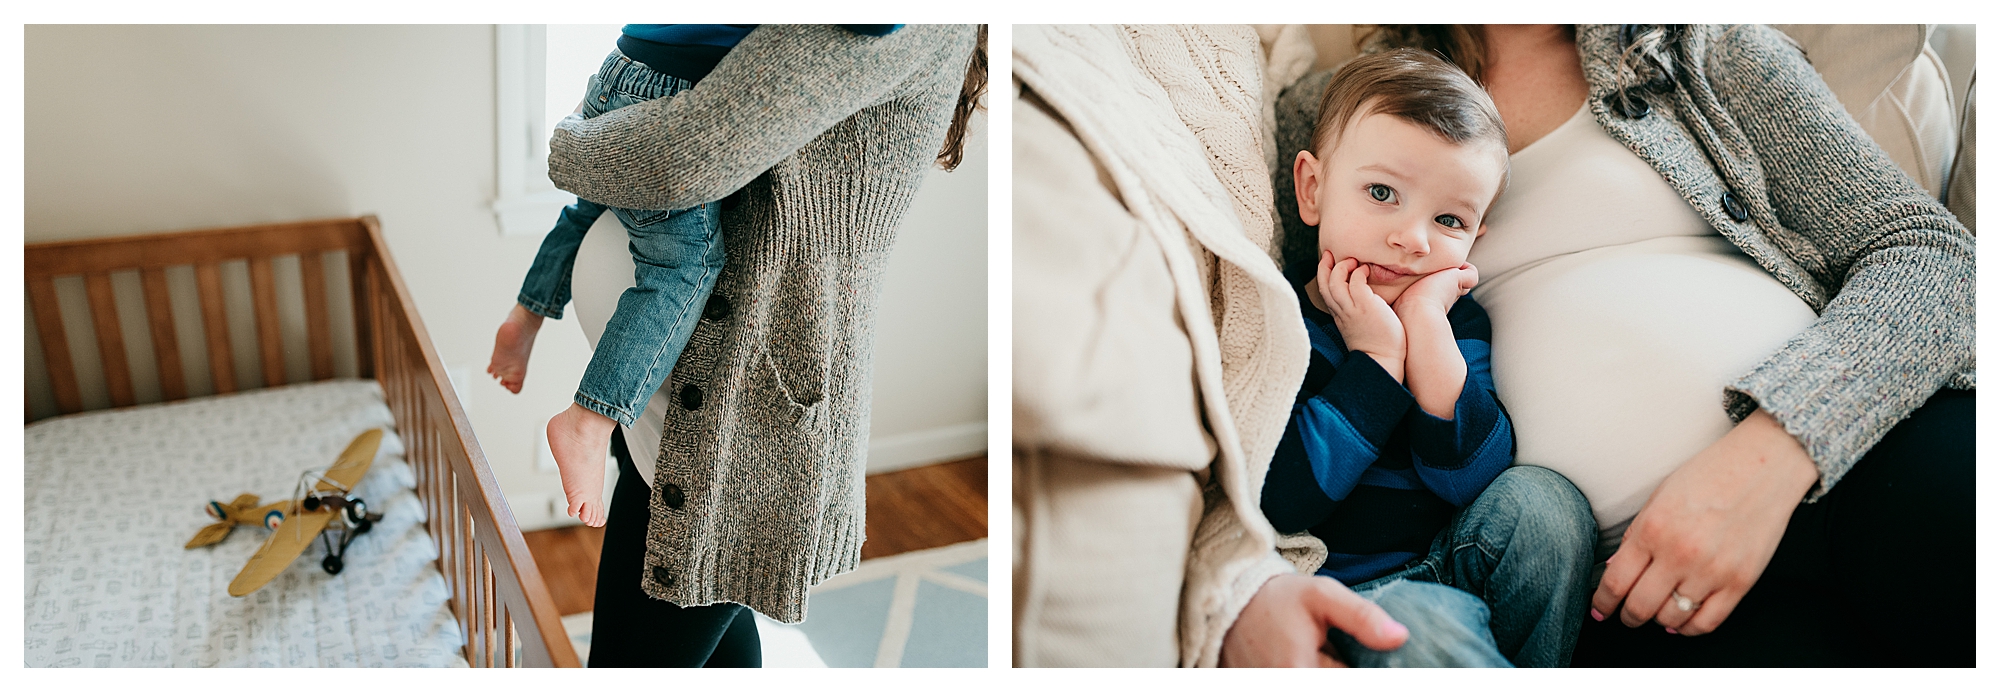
(631, 629)
(1879, 572)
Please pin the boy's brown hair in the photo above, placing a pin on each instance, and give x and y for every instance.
(1416, 86)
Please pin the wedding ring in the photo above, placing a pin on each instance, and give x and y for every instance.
(1684, 603)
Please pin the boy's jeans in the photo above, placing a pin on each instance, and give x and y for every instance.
(676, 256)
(1521, 553)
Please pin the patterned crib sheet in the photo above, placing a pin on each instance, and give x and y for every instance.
(112, 496)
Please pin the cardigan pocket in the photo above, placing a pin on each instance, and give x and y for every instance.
(797, 342)
(804, 393)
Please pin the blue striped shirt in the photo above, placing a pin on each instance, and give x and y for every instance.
(1366, 469)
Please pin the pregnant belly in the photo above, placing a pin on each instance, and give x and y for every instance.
(1612, 361)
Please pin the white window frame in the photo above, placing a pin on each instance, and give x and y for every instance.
(526, 202)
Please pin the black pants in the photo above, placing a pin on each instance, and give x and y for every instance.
(1879, 572)
(631, 629)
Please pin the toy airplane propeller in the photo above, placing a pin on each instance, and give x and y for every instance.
(294, 523)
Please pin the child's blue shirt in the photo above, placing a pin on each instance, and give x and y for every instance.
(1366, 469)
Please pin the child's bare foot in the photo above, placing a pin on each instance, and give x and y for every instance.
(511, 346)
(579, 437)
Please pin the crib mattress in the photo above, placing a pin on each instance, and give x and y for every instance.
(112, 496)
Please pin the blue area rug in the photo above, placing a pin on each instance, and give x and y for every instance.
(925, 609)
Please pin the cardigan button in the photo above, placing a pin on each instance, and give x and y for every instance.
(690, 397)
(718, 308)
(662, 577)
(1734, 207)
(672, 495)
(1630, 103)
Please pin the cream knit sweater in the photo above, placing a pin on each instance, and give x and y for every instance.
(1173, 113)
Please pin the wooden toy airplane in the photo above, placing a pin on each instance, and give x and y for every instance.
(294, 523)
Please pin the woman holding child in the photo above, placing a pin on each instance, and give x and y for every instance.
(1723, 312)
(813, 138)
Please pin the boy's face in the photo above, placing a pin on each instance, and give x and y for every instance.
(1402, 201)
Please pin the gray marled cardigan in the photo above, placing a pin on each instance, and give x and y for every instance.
(758, 486)
(1887, 268)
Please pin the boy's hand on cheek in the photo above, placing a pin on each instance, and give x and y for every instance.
(1366, 322)
(1438, 290)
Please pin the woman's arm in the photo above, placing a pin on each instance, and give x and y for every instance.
(779, 89)
(1899, 266)
(1899, 326)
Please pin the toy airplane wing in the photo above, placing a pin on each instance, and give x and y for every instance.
(298, 528)
(278, 552)
(353, 462)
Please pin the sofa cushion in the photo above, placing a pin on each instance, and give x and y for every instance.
(1894, 85)
(1959, 196)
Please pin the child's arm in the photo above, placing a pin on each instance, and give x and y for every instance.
(1457, 455)
(1343, 415)
(1433, 369)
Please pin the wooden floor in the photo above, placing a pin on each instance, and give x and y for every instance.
(925, 507)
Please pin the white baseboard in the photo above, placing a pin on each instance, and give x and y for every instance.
(925, 447)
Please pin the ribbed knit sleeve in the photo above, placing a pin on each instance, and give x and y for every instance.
(780, 88)
(1899, 324)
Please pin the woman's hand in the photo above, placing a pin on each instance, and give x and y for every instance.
(1708, 531)
(1366, 322)
(1285, 624)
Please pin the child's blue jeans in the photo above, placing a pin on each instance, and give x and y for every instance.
(1506, 584)
(676, 256)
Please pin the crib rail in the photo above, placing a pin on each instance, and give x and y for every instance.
(497, 594)
(106, 345)
(484, 560)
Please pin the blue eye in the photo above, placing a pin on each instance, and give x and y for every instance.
(1449, 221)
(1381, 193)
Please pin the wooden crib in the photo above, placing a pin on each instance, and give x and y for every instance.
(497, 594)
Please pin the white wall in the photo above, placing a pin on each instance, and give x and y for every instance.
(144, 129)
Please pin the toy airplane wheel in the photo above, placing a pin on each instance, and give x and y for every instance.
(331, 564)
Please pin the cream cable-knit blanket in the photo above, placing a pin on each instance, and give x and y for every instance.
(1173, 114)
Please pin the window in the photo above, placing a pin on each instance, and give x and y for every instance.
(542, 72)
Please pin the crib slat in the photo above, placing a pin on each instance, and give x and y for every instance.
(366, 350)
(312, 275)
(492, 617)
(55, 344)
(479, 606)
(110, 338)
(215, 326)
(507, 622)
(166, 341)
(270, 341)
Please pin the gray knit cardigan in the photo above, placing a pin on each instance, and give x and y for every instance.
(828, 134)
(1887, 268)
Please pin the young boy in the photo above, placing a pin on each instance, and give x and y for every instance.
(676, 257)
(1397, 452)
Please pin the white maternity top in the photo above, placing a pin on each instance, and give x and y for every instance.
(1619, 315)
(602, 272)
